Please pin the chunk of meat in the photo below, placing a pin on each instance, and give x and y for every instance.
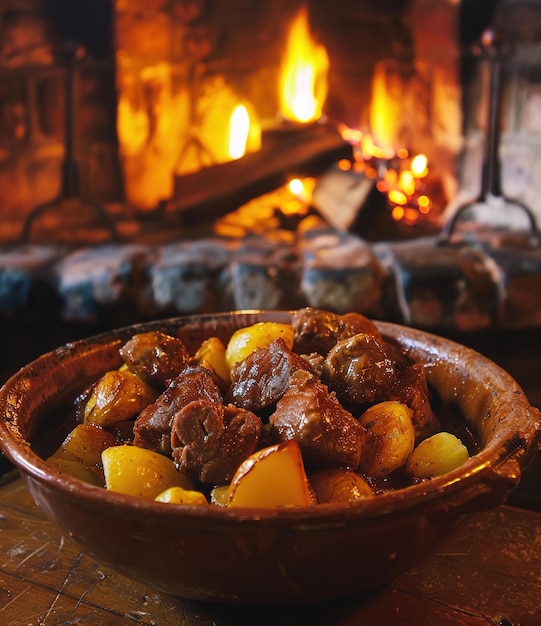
(412, 389)
(397, 353)
(210, 441)
(315, 362)
(318, 331)
(261, 379)
(359, 370)
(154, 356)
(326, 432)
(152, 428)
(355, 323)
(315, 330)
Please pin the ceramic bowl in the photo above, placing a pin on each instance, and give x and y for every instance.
(247, 556)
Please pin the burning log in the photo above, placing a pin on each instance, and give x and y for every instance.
(299, 151)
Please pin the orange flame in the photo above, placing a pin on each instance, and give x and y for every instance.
(239, 129)
(303, 84)
(385, 112)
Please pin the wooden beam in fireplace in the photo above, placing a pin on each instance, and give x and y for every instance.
(286, 153)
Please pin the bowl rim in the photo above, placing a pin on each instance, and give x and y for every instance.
(482, 466)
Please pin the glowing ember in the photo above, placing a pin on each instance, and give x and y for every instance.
(419, 165)
(398, 176)
(296, 186)
(303, 87)
(369, 147)
(406, 182)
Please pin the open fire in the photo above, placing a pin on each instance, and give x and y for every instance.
(302, 94)
(304, 74)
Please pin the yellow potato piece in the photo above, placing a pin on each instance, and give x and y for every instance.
(119, 395)
(271, 477)
(437, 455)
(178, 495)
(77, 469)
(79, 455)
(211, 354)
(245, 340)
(339, 485)
(85, 444)
(389, 438)
(140, 472)
(220, 495)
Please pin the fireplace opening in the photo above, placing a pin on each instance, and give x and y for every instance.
(155, 86)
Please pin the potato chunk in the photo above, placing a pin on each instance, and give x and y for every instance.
(178, 495)
(245, 340)
(118, 396)
(389, 438)
(271, 477)
(79, 455)
(76, 469)
(339, 485)
(140, 472)
(211, 354)
(85, 443)
(436, 455)
(219, 495)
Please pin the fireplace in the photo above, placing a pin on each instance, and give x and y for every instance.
(154, 85)
(120, 200)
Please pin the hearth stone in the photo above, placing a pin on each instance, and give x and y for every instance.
(340, 272)
(466, 287)
(22, 270)
(183, 278)
(520, 271)
(446, 286)
(93, 280)
(265, 275)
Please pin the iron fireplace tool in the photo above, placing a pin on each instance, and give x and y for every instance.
(69, 198)
(491, 200)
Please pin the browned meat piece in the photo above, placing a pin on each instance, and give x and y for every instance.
(412, 389)
(154, 356)
(397, 353)
(210, 441)
(152, 428)
(327, 433)
(355, 323)
(261, 379)
(359, 370)
(315, 330)
(319, 331)
(315, 362)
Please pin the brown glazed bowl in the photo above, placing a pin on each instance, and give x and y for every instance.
(271, 556)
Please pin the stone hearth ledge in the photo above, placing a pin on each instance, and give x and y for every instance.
(421, 283)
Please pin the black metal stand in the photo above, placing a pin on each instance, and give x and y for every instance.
(69, 199)
(491, 189)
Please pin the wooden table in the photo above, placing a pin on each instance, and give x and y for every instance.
(489, 574)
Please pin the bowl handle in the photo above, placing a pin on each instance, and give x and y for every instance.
(495, 486)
